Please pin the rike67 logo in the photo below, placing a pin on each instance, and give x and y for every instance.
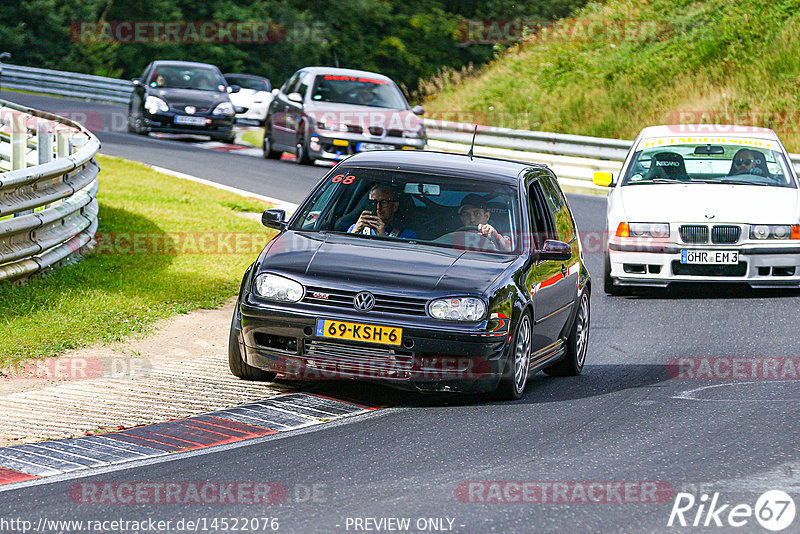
(774, 510)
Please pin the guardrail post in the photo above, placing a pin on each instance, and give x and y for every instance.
(19, 138)
(44, 141)
(62, 145)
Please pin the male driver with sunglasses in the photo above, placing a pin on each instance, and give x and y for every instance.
(748, 161)
(378, 220)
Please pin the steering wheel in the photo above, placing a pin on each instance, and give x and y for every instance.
(483, 243)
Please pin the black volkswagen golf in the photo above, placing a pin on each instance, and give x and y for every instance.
(422, 270)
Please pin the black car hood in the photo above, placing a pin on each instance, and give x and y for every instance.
(355, 263)
(190, 97)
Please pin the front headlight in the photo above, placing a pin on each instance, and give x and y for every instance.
(225, 108)
(775, 231)
(657, 230)
(153, 105)
(457, 309)
(331, 125)
(274, 287)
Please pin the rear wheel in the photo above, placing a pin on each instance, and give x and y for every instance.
(515, 376)
(239, 367)
(266, 147)
(577, 341)
(301, 152)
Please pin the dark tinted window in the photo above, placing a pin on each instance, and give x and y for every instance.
(558, 205)
(542, 226)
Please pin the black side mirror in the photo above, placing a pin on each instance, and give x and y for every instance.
(234, 89)
(274, 219)
(555, 251)
(418, 110)
(136, 81)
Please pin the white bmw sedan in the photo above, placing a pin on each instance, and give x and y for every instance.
(703, 203)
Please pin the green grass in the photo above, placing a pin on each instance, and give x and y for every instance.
(737, 62)
(121, 289)
(254, 137)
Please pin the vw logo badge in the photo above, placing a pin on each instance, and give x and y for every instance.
(364, 301)
(190, 110)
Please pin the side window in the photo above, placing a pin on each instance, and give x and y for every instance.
(302, 86)
(558, 205)
(542, 226)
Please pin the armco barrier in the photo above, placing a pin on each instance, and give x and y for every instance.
(48, 205)
(64, 83)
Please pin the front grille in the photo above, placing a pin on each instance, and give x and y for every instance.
(679, 268)
(394, 133)
(725, 234)
(336, 298)
(691, 233)
(376, 130)
(198, 109)
(356, 359)
(353, 128)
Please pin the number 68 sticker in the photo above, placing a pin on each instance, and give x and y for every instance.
(346, 180)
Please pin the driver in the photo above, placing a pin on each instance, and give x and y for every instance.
(474, 211)
(380, 222)
(749, 161)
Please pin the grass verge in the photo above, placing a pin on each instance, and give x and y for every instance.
(254, 137)
(165, 246)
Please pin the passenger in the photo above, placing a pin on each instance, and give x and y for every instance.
(474, 211)
(161, 81)
(749, 161)
(380, 220)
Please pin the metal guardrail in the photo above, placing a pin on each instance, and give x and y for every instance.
(48, 205)
(64, 83)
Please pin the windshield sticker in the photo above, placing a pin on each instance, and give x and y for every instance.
(355, 79)
(704, 140)
(346, 180)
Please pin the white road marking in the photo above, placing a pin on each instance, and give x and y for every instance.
(690, 393)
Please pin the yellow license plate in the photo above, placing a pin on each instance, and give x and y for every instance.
(387, 335)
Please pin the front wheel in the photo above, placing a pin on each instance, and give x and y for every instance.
(239, 367)
(301, 153)
(577, 341)
(515, 376)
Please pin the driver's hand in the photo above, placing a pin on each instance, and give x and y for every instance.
(486, 230)
(369, 219)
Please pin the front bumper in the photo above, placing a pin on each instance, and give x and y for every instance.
(214, 126)
(336, 146)
(763, 265)
(284, 341)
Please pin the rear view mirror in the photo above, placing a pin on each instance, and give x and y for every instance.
(422, 189)
(603, 179)
(555, 251)
(274, 218)
(709, 150)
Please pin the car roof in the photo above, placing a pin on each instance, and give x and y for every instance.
(693, 130)
(344, 72)
(177, 63)
(253, 76)
(443, 163)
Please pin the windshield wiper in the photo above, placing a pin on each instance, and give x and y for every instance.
(742, 182)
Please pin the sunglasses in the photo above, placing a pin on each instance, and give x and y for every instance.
(744, 161)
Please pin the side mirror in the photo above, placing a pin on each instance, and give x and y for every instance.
(295, 97)
(234, 88)
(603, 179)
(275, 91)
(418, 110)
(274, 219)
(136, 81)
(555, 251)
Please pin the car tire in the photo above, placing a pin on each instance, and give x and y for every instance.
(266, 147)
(301, 153)
(608, 282)
(239, 367)
(515, 375)
(577, 342)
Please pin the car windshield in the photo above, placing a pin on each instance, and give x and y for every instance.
(745, 162)
(412, 207)
(178, 77)
(256, 84)
(357, 90)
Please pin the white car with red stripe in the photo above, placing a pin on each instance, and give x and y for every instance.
(703, 203)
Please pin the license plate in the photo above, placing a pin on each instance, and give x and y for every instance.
(193, 121)
(388, 335)
(710, 257)
(366, 147)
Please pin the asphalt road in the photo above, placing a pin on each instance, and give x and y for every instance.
(625, 419)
